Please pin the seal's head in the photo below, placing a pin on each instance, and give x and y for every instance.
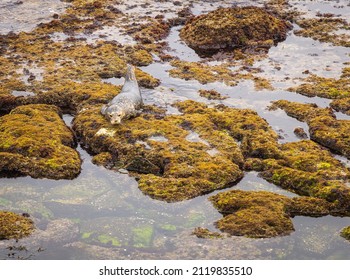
(130, 73)
(115, 114)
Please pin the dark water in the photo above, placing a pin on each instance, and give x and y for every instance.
(103, 215)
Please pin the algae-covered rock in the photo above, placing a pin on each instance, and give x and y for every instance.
(308, 169)
(14, 226)
(341, 105)
(206, 233)
(326, 87)
(35, 141)
(325, 29)
(168, 165)
(228, 28)
(259, 214)
(345, 233)
(211, 94)
(324, 128)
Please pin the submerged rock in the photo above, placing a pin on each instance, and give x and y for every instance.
(35, 141)
(259, 214)
(228, 28)
(14, 226)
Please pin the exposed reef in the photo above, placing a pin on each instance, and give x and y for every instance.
(324, 128)
(170, 166)
(326, 87)
(14, 226)
(261, 214)
(35, 141)
(229, 28)
(205, 73)
(326, 28)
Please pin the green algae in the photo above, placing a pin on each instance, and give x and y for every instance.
(106, 239)
(238, 27)
(142, 236)
(261, 214)
(25, 147)
(14, 226)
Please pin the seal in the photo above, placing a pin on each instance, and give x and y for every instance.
(127, 103)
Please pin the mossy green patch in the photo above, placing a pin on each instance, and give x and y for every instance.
(260, 214)
(142, 236)
(107, 239)
(14, 226)
(36, 142)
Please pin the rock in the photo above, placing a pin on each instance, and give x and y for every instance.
(260, 214)
(228, 28)
(14, 226)
(300, 133)
(35, 141)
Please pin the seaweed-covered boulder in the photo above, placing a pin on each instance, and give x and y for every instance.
(14, 226)
(260, 214)
(308, 169)
(35, 141)
(238, 27)
(324, 128)
(170, 164)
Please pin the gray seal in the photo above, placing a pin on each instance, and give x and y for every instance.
(127, 103)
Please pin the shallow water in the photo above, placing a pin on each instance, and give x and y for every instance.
(103, 215)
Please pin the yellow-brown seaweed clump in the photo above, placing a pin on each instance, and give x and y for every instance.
(35, 141)
(14, 226)
(179, 157)
(345, 233)
(325, 29)
(341, 105)
(261, 214)
(308, 169)
(228, 28)
(324, 128)
(326, 87)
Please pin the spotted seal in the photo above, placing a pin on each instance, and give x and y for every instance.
(127, 103)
